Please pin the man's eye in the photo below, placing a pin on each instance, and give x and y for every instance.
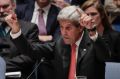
(5, 6)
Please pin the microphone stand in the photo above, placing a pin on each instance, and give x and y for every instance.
(42, 60)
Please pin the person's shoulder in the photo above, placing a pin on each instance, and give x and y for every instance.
(114, 34)
(21, 7)
(55, 7)
(27, 24)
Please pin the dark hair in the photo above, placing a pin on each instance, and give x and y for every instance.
(101, 10)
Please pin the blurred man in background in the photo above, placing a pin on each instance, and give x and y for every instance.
(14, 59)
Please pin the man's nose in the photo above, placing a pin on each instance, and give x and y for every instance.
(64, 32)
(1, 10)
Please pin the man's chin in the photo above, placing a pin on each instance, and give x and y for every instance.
(67, 41)
(2, 19)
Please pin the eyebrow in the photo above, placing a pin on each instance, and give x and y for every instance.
(4, 6)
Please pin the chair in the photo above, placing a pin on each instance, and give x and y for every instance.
(112, 70)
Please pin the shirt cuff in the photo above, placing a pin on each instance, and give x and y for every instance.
(16, 35)
(94, 37)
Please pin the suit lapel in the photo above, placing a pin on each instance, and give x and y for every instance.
(52, 15)
(63, 57)
(83, 47)
(29, 13)
(66, 59)
(64, 53)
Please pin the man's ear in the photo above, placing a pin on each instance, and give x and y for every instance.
(81, 28)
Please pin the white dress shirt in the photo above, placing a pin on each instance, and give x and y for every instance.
(7, 29)
(36, 13)
(78, 43)
(14, 36)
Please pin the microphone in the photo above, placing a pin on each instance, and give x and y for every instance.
(42, 60)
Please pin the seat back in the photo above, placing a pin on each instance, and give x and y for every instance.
(112, 70)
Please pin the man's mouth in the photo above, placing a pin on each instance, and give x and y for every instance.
(2, 17)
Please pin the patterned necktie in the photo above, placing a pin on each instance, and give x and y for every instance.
(2, 32)
(41, 23)
(72, 69)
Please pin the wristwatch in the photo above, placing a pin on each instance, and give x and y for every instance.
(93, 29)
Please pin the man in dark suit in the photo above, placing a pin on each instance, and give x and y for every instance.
(14, 59)
(89, 49)
(31, 13)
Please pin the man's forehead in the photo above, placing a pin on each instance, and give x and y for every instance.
(2, 2)
(65, 21)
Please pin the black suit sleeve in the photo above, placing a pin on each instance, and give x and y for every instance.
(102, 51)
(21, 61)
(35, 51)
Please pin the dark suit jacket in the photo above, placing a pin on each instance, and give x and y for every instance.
(112, 39)
(25, 12)
(77, 2)
(14, 59)
(90, 62)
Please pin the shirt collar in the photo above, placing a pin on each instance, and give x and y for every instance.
(79, 40)
(7, 29)
(5, 25)
(46, 9)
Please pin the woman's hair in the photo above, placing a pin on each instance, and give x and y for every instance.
(100, 8)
